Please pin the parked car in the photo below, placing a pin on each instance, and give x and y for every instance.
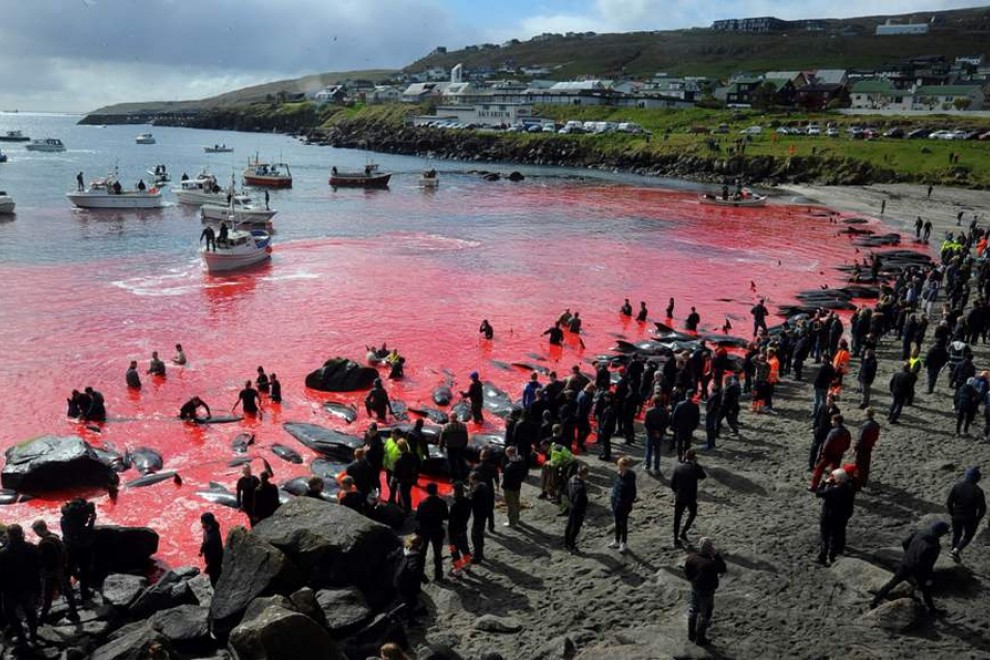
(832, 132)
(752, 130)
(918, 133)
(813, 129)
(984, 136)
(870, 134)
(895, 132)
(722, 128)
(629, 127)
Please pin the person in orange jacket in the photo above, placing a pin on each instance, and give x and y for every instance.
(841, 364)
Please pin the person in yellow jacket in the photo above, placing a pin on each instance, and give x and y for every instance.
(392, 452)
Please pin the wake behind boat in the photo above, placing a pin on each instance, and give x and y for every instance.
(371, 177)
(240, 248)
(107, 193)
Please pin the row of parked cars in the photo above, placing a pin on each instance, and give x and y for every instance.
(868, 133)
(571, 127)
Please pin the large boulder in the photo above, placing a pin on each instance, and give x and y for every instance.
(251, 568)
(334, 546)
(278, 633)
(341, 375)
(123, 549)
(49, 463)
(120, 590)
(170, 591)
(896, 616)
(186, 626)
(345, 610)
(139, 643)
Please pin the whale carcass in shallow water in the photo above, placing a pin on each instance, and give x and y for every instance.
(341, 411)
(241, 442)
(324, 441)
(442, 395)
(432, 414)
(217, 494)
(287, 454)
(151, 479)
(144, 459)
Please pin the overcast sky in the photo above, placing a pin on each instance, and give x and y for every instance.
(77, 55)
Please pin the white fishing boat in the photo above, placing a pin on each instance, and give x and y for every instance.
(6, 203)
(430, 178)
(219, 149)
(203, 189)
(237, 210)
(49, 145)
(743, 199)
(145, 138)
(242, 248)
(107, 193)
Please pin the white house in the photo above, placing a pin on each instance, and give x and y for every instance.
(944, 97)
(890, 28)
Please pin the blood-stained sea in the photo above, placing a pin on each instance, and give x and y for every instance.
(416, 269)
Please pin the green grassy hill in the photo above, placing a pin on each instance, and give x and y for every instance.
(719, 54)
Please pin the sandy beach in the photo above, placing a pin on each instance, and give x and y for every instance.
(775, 601)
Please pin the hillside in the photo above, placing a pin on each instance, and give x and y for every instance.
(246, 95)
(719, 54)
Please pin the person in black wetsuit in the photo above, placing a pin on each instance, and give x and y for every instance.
(556, 334)
(476, 395)
(574, 324)
(265, 497)
(132, 377)
(262, 382)
(211, 238)
(626, 309)
(76, 405)
(376, 402)
(670, 309)
(692, 321)
(249, 400)
(641, 317)
(486, 329)
(189, 408)
(96, 410)
(247, 486)
(224, 235)
(276, 387)
(212, 548)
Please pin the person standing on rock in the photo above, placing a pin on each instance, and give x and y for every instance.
(211, 549)
(838, 497)
(967, 505)
(78, 520)
(431, 514)
(457, 530)
(623, 496)
(514, 472)
(480, 496)
(410, 575)
(869, 434)
(247, 486)
(577, 497)
(921, 551)
(702, 569)
(265, 497)
(20, 583)
(684, 483)
(54, 563)
(406, 474)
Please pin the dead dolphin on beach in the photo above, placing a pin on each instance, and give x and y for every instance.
(498, 364)
(432, 414)
(341, 410)
(144, 459)
(241, 442)
(287, 454)
(217, 494)
(239, 461)
(442, 395)
(327, 469)
(151, 479)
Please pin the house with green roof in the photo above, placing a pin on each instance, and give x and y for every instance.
(879, 94)
(949, 97)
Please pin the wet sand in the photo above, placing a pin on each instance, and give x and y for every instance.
(775, 601)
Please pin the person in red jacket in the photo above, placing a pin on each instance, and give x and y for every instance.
(835, 446)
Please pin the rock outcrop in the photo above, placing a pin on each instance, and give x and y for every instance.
(52, 463)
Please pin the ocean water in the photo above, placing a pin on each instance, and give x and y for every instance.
(85, 292)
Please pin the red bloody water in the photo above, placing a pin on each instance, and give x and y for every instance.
(515, 255)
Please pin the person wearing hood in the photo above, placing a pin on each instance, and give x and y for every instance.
(921, 551)
(967, 505)
(967, 401)
(838, 497)
(411, 574)
(377, 403)
(702, 569)
(212, 548)
(476, 395)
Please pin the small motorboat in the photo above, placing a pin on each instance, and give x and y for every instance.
(48, 145)
(145, 138)
(371, 177)
(203, 189)
(267, 175)
(107, 193)
(14, 136)
(242, 249)
(219, 149)
(238, 212)
(6, 203)
(743, 198)
(430, 178)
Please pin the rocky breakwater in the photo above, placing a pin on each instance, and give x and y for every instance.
(586, 152)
